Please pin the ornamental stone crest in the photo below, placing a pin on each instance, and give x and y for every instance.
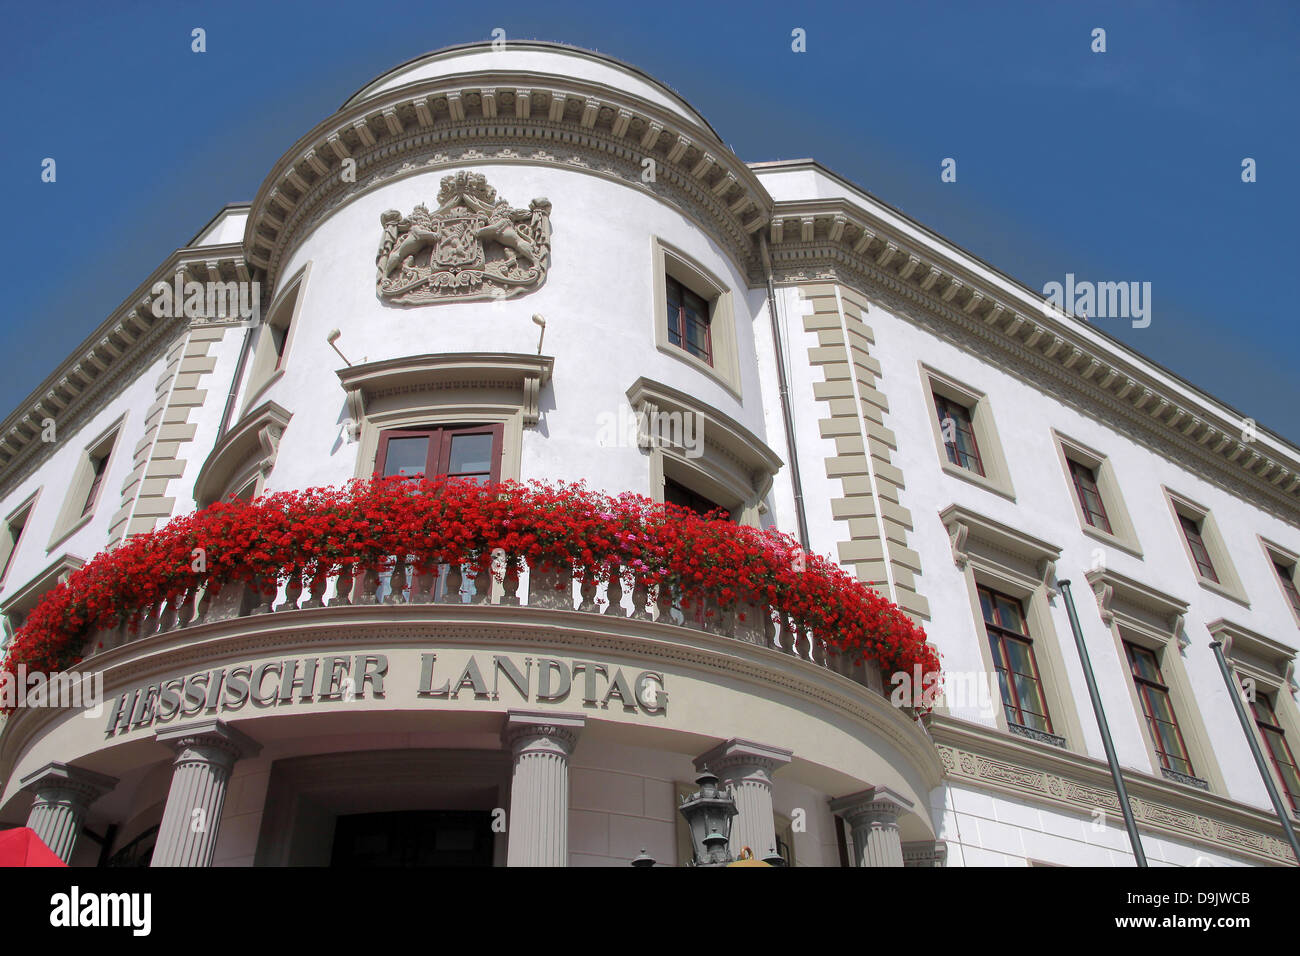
(473, 246)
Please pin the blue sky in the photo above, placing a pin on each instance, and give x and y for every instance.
(1121, 166)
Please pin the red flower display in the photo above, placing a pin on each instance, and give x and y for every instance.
(319, 532)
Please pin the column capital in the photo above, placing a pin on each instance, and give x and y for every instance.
(84, 785)
(530, 726)
(215, 738)
(874, 803)
(741, 758)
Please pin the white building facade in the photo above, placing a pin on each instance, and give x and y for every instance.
(837, 372)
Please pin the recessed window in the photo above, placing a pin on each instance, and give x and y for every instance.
(98, 465)
(1286, 568)
(1205, 548)
(11, 533)
(1279, 750)
(1158, 708)
(1085, 486)
(1013, 659)
(87, 487)
(1095, 493)
(694, 315)
(678, 494)
(272, 341)
(688, 320)
(958, 433)
(460, 451)
(1200, 554)
(964, 433)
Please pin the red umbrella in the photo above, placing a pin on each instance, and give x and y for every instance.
(22, 847)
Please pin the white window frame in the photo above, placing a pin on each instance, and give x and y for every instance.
(1229, 584)
(667, 260)
(997, 475)
(71, 519)
(1122, 535)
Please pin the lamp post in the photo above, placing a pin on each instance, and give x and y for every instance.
(708, 814)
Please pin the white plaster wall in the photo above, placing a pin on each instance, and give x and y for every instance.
(1024, 418)
(33, 553)
(597, 301)
(983, 829)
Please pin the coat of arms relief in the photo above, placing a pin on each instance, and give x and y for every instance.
(473, 246)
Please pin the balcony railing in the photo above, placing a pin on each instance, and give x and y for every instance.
(759, 625)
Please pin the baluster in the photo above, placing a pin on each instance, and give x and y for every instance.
(423, 584)
(769, 629)
(664, 602)
(263, 591)
(819, 652)
(204, 604)
(319, 582)
(749, 622)
(230, 602)
(167, 615)
(366, 590)
(397, 581)
(343, 587)
(149, 625)
(451, 590)
(510, 583)
(802, 644)
(727, 621)
(614, 593)
(482, 585)
(587, 593)
(640, 597)
(292, 591)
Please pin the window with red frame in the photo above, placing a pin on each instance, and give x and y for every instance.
(1275, 738)
(14, 532)
(462, 451)
(958, 434)
(1287, 578)
(1162, 723)
(688, 321)
(1013, 659)
(1085, 486)
(1192, 532)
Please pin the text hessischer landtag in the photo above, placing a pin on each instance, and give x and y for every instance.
(347, 677)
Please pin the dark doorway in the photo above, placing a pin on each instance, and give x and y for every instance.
(413, 838)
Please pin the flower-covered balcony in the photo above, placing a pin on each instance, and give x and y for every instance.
(401, 544)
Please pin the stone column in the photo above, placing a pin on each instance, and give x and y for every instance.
(748, 767)
(63, 795)
(872, 816)
(925, 853)
(538, 824)
(206, 752)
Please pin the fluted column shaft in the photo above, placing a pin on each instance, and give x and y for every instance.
(538, 822)
(63, 797)
(205, 755)
(872, 816)
(747, 767)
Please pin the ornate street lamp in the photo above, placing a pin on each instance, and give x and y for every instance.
(708, 815)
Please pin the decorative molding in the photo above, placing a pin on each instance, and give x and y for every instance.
(1040, 344)
(1110, 587)
(256, 438)
(984, 758)
(527, 373)
(964, 525)
(1254, 654)
(469, 248)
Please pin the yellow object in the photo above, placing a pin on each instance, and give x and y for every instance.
(747, 859)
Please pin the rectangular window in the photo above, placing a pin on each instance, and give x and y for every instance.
(12, 533)
(1200, 554)
(1013, 659)
(958, 433)
(1287, 578)
(1275, 739)
(679, 494)
(461, 451)
(1162, 724)
(1085, 486)
(98, 465)
(688, 321)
